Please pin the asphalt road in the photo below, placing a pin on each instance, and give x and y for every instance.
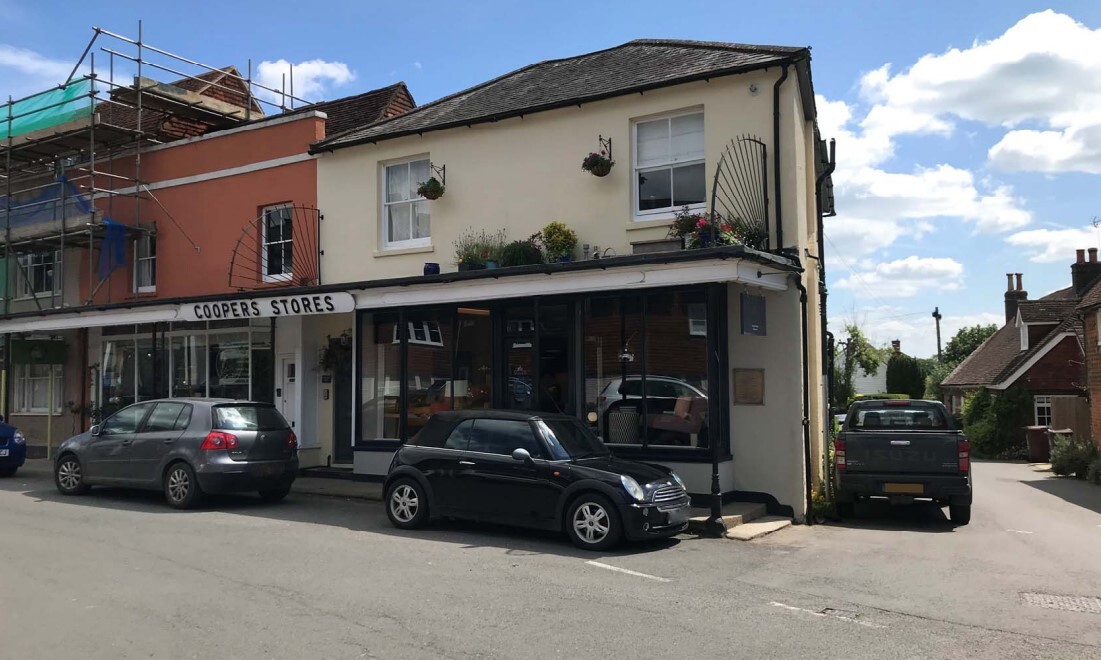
(116, 574)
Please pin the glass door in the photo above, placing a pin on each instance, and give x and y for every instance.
(537, 357)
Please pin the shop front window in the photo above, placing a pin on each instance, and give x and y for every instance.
(263, 375)
(473, 359)
(380, 377)
(429, 378)
(228, 365)
(613, 361)
(189, 364)
(119, 362)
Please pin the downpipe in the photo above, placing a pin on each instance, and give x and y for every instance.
(776, 157)
(806, 396)
(823, 294)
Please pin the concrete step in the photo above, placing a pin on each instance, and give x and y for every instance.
(734, 514)
(758, 528)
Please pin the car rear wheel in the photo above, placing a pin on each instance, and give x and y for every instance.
(846, 510)
(275, 494)
(181, 488)
(593, 523)
(959, 513)
(406, 504)
(69, 476)
(7, 472)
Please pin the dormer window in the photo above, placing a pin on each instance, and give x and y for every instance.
(1024, 335)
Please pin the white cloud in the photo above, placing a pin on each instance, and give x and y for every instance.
(904, 278)
(313, 79)
(917, 332)
(1054, 245)
(418, 66)
(31, 63)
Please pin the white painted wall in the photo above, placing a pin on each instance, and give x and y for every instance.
(864, 383)
(767, 440)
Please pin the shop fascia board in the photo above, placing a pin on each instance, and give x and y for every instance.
(733, 271)
(88, 320)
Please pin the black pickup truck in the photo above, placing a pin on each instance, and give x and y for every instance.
(903, 450)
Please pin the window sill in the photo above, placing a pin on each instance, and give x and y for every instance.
(39, 413)
(650, 221)
(393, 252)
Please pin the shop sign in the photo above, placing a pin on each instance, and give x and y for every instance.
(255, 308)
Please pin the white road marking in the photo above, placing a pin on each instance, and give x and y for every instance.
(832, 615)
(1019, 531)
(628, 571)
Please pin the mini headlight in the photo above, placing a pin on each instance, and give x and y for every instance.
(680, 482)
(19, 439)
(632, 487)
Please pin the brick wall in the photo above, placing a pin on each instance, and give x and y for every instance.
(1093, 380)
(1059, 372)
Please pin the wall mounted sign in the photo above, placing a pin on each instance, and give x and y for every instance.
(255, 308)
(749, 387)
(753, 315)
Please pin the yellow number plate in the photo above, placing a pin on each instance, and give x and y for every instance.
(906, 489)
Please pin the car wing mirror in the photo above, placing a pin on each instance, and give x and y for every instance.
(522, 455)
(95, 429)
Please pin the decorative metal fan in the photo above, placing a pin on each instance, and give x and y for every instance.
(739, 192)
(280, 247)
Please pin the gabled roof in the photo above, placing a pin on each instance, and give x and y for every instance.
(1000, 356)
(1046, 310)
(369, 107)
(630, 68)
(1092, 298)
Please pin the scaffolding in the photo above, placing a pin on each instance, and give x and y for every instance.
(70, 156)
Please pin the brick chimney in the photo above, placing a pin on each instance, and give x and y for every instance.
(1083, 273)
(896, 346)
(1013, 296)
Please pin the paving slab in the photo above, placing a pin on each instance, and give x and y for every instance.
(758, 528)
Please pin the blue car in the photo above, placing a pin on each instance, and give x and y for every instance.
(13, 449)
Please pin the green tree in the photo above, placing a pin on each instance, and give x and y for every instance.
(852, 353)
(904, 376)
(935, 373)
(966, 341)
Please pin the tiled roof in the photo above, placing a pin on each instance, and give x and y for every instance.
(988, 361)
(1061, 294)
(1092, 298)
(632, 67)
(369, 107)
(1046, 310)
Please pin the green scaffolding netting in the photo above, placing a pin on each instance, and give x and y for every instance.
(47, 109)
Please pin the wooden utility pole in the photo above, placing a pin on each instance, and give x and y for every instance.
(937, 316)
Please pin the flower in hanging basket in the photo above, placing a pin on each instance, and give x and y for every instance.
(597, 164)
(430, 189)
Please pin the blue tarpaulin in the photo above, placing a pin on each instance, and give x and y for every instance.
(112, 253)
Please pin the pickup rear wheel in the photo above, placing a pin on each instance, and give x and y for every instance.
(959, 513)
(846, 510)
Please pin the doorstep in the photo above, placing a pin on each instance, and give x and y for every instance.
(745, 521)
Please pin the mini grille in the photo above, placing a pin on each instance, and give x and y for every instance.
(668, 493)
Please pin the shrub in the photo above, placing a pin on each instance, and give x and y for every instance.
(475, 247)
(1072, 456)
(521, 253)
(867, 397)
(976, 406)
(1093, 472)
(904, 375)
(558, 240)
(995, 424)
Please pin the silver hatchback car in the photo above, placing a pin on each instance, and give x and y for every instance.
(185, 447)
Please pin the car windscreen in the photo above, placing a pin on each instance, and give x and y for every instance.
(248, 418)
(568, 439)
(898, 416)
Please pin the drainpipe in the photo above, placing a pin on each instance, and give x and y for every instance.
(806, 395)
(827, 337)
(776, 156)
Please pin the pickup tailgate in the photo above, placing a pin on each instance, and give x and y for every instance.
(902, 452)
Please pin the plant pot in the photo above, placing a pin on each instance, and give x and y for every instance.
(432, 195)
(601, 169)
(491, 265)
(565, 260)
(431, 268)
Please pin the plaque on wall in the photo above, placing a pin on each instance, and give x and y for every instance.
(753, 315)
(749, 387)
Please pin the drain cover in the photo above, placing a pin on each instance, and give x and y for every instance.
(1087, 604)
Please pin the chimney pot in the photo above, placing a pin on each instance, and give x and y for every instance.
(1081, 256)
(1009, 281)
(1019, 285)
(897, 346)
(1093, 255)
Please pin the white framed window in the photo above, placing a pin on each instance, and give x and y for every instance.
(32, 382)
(145, 264)
(1042, 405)
(1097, 325)
(37, 274)
(405, 218)
(277, 248)
(426, 333)
(697, 319)
(669, 167)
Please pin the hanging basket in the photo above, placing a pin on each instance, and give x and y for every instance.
(431, 189)
(597, 164)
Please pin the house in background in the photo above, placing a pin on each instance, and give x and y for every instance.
(865, 383)
(1040, 348)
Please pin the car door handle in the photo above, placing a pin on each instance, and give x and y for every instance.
(168, 441)
(466, 463)
(127, 443)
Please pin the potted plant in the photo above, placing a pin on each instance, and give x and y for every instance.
(700, 230)
(475, 249)
(598, 164)
(493, 245)
(521, 253)
(430, 189)
(558, 241)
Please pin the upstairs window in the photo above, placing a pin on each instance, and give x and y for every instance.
(405, 216)
(37, 274)
(669, 168)
(145, 264)
(276, 259)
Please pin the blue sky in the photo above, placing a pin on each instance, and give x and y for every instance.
(977, 151)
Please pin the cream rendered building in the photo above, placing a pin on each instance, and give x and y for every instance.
(691, 358)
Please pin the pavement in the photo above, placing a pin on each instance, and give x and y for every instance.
(119, 574)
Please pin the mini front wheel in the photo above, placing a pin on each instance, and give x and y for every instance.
(593, 523)
(406, 504)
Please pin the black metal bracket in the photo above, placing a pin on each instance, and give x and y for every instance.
(441, 171)
(605, 146)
